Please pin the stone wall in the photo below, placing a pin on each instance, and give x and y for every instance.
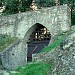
(73, 27)
(62, 61)
(7, 24)
(56, 19)
(45, 55)
(13, 56)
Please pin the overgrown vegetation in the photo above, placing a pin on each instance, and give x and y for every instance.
(16, 6)
(1, 74)
(40, 68)
(57, 41)
(5, 41)
(54, 44)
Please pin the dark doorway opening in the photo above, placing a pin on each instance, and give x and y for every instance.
(39, 39)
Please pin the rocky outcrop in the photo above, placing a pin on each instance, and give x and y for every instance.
(62, 61)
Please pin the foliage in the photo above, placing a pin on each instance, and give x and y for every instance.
(45, 3)
(73, 18)
(11, 6)
(54, 44)
(5, 41)
(1, 73)
(70, 3)
(57, 41)
(16, 6)
(0, 3)
(34, 69)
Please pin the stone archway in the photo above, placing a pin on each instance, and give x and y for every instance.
(36, 38)
(55, 19)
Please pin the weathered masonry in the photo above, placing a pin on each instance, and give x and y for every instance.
(53, 20)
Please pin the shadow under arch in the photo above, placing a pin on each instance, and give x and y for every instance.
(36, 38)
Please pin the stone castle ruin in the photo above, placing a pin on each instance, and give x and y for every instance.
(35, 30)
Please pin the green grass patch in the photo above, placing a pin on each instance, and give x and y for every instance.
(57, 41)
(54, 44)
(33, 69)
(5, 41)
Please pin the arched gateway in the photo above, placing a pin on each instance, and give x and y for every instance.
(35, 29)
(38, 38)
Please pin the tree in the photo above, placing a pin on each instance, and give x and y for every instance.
(0, 3)
(25, 5)
(57, 2)
(16, 6)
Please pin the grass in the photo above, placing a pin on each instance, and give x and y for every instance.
(57, 42)
(33, 69)
(5, 41)
(41, 68)
(54, 44)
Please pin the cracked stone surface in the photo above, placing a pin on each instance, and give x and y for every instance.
(63, 61)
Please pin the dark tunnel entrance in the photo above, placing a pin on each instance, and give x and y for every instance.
(39, 39)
